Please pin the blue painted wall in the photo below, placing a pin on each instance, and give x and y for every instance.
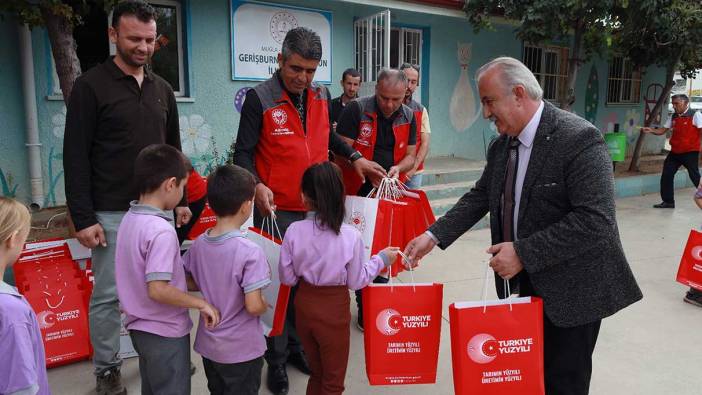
(209, 119)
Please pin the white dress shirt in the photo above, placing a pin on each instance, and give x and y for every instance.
(526, 138)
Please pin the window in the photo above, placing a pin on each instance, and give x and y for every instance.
(550, 66)
(623, 82)
(167, 60)
(374, 49)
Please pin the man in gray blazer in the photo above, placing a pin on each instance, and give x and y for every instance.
(558, 238)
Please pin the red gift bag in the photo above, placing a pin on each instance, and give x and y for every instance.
(402, 331)
(497, 346)
(206, 220)
(276, 294)
(690, 269)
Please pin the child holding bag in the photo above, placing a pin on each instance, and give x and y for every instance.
(324, 255)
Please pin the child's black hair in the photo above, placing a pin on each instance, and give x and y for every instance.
(324, 190)
(155, 164)
(228, 187)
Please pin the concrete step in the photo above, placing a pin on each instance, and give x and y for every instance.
(443, 170)
(450, 190)
(441, 206)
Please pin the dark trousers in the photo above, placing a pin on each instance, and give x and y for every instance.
(359, 299)
(690, 160)
(164, 363)
(567, 351)
(568, 357)
(196, 208)
(279, 347)
(243, 378)
(323, 319)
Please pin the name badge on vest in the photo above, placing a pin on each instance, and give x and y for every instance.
(280, 118)
(365, 132)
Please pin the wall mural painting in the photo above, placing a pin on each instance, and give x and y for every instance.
(199, 144)
(632, 123)
(240, 97)
(8, 184)
(463, 110)
(592, 96)
(50, 197)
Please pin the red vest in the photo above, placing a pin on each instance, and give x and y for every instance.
(418, 111)
(284, 151)
(196, 187)
(686, 136)
(367, 134)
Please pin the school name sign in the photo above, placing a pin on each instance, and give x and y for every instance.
(258, 30)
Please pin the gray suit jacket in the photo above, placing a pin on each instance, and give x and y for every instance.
(568, 240)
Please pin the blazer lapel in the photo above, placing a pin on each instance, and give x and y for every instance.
(540, 150)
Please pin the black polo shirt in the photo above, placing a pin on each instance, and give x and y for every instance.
(337, 106)
(384, 151)
(109, 120)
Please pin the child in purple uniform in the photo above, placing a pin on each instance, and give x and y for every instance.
(23, 366)
(324, 255)
(230, 271)
(150, 277)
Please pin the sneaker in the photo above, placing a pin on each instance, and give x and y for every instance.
(694, 299)
(110, 383)
(664, 205)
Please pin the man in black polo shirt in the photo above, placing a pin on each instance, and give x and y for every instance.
(116, 109)
(350, 83)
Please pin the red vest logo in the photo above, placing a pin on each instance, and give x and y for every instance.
(366, 130)
(279, 117)
(484, 348)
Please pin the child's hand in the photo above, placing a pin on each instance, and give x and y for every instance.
(391, 254)
(210, 315)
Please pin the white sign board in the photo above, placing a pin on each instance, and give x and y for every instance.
(258, 30)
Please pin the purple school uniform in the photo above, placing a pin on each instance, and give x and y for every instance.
(23, 364)
(321, 257)
(225, 268)
(147, 250)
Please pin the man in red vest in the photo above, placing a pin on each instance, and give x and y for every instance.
(686, 125)
(382, 128)
(284, 129)
(421, 116)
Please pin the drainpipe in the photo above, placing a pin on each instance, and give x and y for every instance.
(30, 110)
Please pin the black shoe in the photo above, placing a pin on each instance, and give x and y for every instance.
(664, 205)
(110, 383)
(299, 361)
(277, 379)
(192, 369)
(693, 298)
(359, 322)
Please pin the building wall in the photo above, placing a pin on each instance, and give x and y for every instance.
(209, 119)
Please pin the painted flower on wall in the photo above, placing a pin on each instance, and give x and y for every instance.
(632, 119)
(59, 123)
(195, 134)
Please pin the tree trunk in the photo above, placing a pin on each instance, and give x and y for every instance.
(568, 96)
(669, 82)
(63, 48)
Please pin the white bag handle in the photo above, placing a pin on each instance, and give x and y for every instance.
(505, 285)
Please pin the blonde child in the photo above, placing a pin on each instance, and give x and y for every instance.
(23, 369)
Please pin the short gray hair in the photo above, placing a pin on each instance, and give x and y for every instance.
(304, 42)
(680, 96)
(391, 77)
(513, 73)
